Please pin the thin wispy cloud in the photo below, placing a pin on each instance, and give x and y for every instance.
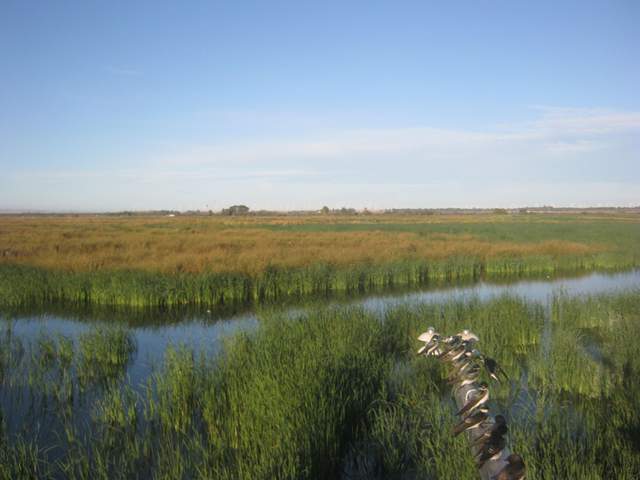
(561, 148)
(145, 175)
(122, 71)
(586, 121)
(562, 156)
(556, 132)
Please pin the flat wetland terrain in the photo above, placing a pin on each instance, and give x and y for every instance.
(212, 261)
(103, 375)
(251, 245)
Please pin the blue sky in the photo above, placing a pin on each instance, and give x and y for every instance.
(145, 105)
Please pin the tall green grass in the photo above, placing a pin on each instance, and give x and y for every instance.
(104, 353)
(339, 393)
(25, 286)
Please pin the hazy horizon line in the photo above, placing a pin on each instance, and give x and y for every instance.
(19, 211)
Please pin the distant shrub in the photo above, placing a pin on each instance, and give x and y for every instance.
(236, 210)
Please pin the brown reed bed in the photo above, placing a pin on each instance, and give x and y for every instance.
(200, 260)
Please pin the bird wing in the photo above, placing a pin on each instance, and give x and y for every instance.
(473, 404)
(426, 336)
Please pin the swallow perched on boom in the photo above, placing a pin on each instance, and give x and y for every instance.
(453, 340)
(514, 470)
(433, 349)
(427, 336)
(468, 336)
(472, 373)
(430, 339)
(460, 370)
(480, 398)
(463, 383)
(498, 429)
(453, 353)
(493, 369)
(491, 450)
(471, 422)
(466, 365)
(457, 356)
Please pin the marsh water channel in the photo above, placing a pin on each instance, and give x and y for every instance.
(28, 416)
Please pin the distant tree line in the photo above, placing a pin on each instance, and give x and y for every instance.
(338, 211)
(236, 210)
(243, 210)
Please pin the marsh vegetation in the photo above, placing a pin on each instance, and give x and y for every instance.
(220, 261)
(334, 392)
(324, 389)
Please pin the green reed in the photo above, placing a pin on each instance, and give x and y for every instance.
(104, 353)
(339, 393)
(22, 286)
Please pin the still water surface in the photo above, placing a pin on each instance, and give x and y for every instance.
(26, 411)
(203, 332)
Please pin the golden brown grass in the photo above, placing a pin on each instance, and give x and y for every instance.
(250, 244)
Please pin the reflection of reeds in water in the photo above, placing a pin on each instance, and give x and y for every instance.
(337, 393)
(103, 353)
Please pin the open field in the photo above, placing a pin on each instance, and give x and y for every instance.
(207, 261)
(330, 393)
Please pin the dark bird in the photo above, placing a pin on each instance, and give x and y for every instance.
(498, 429)
(470, 374)
(493, 369)
(491, 450)
(430, 347)
(460, 370)
(469, 355)
(463, 365)
(452, 352)
(462, 353)
(450, 343)
(433, 349)
(446, 344)
(514, 470)
(465, 378)
(453, 340)
(480, 398)
(457, 356)
(463, 383)
(471, 422)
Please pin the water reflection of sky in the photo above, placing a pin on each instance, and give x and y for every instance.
(151, 342)
(537, 290)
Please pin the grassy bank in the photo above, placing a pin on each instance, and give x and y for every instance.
(22, 286)
(166, 262)
(339, 393)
